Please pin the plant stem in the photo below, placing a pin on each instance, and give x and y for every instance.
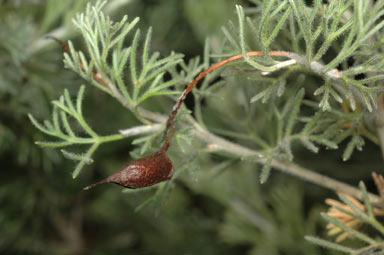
(377, 225)
(366, 250)
(145, 129)
(87, 155)
(170, 126)
(110, 138)
(284, 166)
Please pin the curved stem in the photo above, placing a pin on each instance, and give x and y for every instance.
(170, 127)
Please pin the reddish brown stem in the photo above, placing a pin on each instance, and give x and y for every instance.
(170, 127)
(97, 183)
(62, 44)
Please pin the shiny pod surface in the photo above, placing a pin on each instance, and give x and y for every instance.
(142, 172)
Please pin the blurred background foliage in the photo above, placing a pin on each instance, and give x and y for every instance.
(217, 207)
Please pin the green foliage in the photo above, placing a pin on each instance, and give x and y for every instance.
(60, 128)
(104, 40)
(339, 86)
(305, 22)
(307, 108)
(373, 245)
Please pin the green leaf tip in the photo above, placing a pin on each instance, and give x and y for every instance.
(76, 156)
(328, 244)
(266, 170)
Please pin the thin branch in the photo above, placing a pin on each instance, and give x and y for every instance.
(284, 166)
(316, 67)
(281, 65)
(145, 129)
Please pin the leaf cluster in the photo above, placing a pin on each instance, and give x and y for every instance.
(60, 128)
(107, 70)
(320, 27)
(373, 245)
(109, 58)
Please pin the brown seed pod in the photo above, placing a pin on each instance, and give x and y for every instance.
(142, 172)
